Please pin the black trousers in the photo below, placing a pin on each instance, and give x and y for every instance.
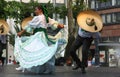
(85, 43)
(2, 46)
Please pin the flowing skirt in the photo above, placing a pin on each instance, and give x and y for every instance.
(37, 54)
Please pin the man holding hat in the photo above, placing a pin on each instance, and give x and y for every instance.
(90, 23)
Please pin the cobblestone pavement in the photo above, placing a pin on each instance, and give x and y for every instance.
(63, 71)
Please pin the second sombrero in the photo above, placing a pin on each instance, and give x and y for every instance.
(25, 21)
(4, 28)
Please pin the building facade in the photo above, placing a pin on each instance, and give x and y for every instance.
(109, 44)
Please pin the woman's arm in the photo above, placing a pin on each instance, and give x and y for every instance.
(28, 28)
(21, 32)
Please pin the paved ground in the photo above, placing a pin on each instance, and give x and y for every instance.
(62, 71)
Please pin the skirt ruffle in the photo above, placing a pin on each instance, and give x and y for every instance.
(34, 50)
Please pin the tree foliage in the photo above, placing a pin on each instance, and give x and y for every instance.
(2, 10)
(19, 10)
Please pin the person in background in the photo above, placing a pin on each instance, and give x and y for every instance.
(3, 43)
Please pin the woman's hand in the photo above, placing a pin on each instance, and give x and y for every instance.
(60, 26)
(20, 33)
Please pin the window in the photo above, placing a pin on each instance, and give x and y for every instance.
(119, 39)
(113, 18)
(113, 2)
(108, 18)
(102, 5)
(118, 2)
(108, 4)
(114, 39)
(103, 18)
(118, 17)
(97, 5)
(92, 4)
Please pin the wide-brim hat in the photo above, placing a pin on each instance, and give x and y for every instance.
(4, 28)
(90, 21)
(25, 21)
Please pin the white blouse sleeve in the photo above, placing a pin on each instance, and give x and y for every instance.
(35, 22)
(53, 23)
(32, 24)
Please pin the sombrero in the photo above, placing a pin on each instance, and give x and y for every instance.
(90, 21)
(4, 28)
(25, 21)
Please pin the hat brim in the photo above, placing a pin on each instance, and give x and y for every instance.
(25, 21)
(81, 19)
(5, 26)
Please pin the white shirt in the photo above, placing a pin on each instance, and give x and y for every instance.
(40, 21)
(83, 33)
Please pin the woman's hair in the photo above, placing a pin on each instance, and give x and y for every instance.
(40, 7)
(45, 12)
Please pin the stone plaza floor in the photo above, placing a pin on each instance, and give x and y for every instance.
(63, 71)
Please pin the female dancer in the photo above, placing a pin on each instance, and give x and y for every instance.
(36, 53)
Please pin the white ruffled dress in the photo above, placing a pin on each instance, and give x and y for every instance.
(36, 53)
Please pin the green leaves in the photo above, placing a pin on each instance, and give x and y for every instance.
(2, 11)
(76, 9)
(62, 11)
(16, 10)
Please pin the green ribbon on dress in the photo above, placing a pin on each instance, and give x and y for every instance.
(45, 31)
